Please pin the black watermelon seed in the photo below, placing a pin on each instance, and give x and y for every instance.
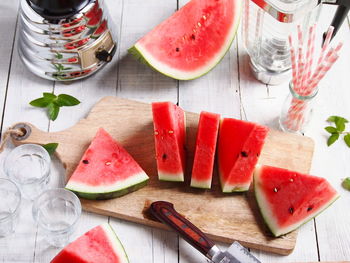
(86, 161)
(164, 156)
(291, 210)
(244, 154)
(257, 155)
(309, 208)
(177, 49)
(193, 36)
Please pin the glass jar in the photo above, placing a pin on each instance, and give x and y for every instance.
(297, 110)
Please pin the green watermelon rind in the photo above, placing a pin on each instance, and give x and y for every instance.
(116, 244)
(170, 177)
(137, 52)
(108, 192)
(201, 184)
(268, 219)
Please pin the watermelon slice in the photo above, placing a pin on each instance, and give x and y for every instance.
(288, 199)
(203, 164)
(106, 170)
(239, 147)
(169, 136)
(193, 40)
(100, 244)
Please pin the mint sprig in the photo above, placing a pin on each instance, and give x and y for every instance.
(53, 103)
(337, 130)
(51, 147)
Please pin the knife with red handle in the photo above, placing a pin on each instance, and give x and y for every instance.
(166, 213)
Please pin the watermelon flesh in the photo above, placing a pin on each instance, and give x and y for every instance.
(106, 170)
(169, 136)
(239, 147)
(288, 199)
(100, 244)
(193, 40)
(203, 164)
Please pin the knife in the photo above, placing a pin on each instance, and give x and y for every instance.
(166, 213)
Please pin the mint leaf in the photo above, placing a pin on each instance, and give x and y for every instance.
(346, 183)
(340, 124)
(40, 103)
(53, 110)
(332, 139)
(66, 100)
(335, 118)
(51, 147)
(49, 96)
(53, 103)
(331, 129)
(347, 139)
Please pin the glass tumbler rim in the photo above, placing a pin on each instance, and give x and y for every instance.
(18, 204)
(52, 190)
(298, 96)
(46, 157)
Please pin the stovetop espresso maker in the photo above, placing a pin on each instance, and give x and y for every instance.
(65, 40)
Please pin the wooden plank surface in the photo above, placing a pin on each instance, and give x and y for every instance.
(328, 241)
(131, 123)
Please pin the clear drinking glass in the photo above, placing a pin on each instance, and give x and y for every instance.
(297, 110)
(56, 212)
(28, 166)
(10, 197)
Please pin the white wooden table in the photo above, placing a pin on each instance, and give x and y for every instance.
(229, 89)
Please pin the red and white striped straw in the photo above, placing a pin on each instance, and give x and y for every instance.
(325, 44)
(309, 55)
(294, 63)
(326, 65)
(300, 59)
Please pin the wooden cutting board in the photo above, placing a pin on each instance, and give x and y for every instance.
(224, 217)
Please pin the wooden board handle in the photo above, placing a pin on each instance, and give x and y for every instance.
(165, 212)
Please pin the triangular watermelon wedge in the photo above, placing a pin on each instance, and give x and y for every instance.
(169, 137)
(239, 147)
(106, 170)
(100, 244)
(289, 199)
(193, 40)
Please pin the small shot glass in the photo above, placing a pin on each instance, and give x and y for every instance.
(28, 166)
(10, 197)
(56, 211)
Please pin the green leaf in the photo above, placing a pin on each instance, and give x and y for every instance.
(53, 110)
(49, 96)
(51, 147)
(66, 100)
(331, 129)
(59, 55)
(41, 102)
(332, 139)
(67, 68)
(340, 123)
(347, 139)
(346, 183)
(335, 118)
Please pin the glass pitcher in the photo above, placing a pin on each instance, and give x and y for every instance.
(266, 27)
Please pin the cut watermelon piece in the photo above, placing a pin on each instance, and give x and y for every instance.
(106, 170)
(289, 199)
(203, 164)
(193, 40)
(96, 19)
(100, 30)
(239, 147)
(100, 244)
(169, 136)
(92, 11)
